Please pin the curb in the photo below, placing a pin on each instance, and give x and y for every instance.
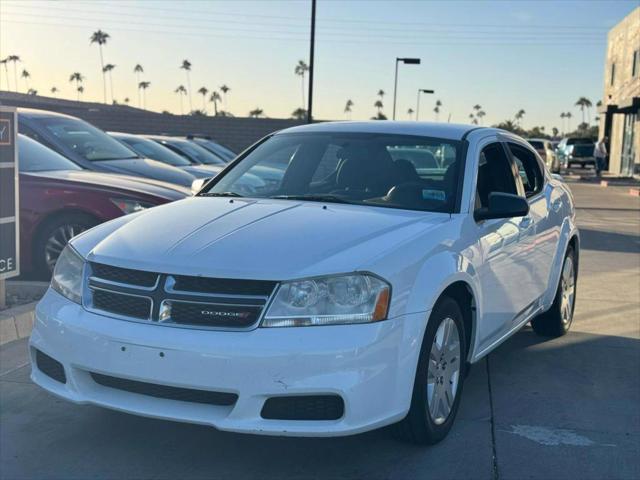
(16, 322)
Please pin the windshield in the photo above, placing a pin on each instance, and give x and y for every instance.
(86, 140)
(35, 157)
(221, 151)
(395, 171)
(195, 153)
(155, 151)
(583, 150)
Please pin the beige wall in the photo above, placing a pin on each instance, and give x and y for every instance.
(623, 40)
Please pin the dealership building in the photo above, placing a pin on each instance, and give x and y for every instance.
(619, 114)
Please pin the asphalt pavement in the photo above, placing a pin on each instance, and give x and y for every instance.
(566, 408)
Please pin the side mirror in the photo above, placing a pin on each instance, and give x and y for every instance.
(502, 205)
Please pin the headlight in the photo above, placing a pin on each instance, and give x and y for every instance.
(67, 275)
(339, 299)
(128, 205)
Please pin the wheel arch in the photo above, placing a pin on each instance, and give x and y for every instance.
(463, 294)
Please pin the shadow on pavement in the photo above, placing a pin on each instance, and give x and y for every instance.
(601, 240)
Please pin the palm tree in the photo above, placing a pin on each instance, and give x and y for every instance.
(437, 109)
(203, 91)
(15, 59)
(563, 116)
(301, 69)
(54, 90)
(477, 107)
(584, 102)
(410, 113)
(519, 116)
(108, 68)
(480, 114)
(347, 108)
(381, 94)
(186, 66)
(215, 98)
(555, 131)
(256, 113)
(138, 70)
(378, 104)
(4, 62)
(78, 78)
(224, 89)
(473, 119)
(26, 75)
(126, 100)
(80, 90)
(32, 91)
(568, 115)
(144, 86)
(101, 38)
(181, 91)
(299, 114)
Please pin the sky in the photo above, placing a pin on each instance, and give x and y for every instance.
(539, 56)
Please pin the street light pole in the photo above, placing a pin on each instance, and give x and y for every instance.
(421, 90)
(409, 61)
(311, 61)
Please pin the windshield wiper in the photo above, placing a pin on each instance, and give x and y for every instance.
(219, 194)
(314, 198)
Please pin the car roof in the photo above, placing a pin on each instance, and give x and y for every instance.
(449, 131)
(167, 138)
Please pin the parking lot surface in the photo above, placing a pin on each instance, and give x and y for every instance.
(536, 408)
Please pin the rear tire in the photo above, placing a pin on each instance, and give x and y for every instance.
(53, 237)
(439, 377)
(556, 321)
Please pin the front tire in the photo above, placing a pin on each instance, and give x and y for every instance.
(439, 378)
(556, 321)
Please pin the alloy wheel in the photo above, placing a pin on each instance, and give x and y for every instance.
(58, 240)
(444, 371)
(568, 290)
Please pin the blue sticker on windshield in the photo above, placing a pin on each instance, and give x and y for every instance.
(439, 195)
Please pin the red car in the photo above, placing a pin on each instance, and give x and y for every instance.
(58, 200)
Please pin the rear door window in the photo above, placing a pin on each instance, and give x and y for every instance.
(528, 168)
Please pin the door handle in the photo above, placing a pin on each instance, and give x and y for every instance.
(526, 222)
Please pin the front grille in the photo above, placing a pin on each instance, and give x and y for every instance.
(50, 367)
(306, 407)
(165, 391)
(223, 286)
(178, 300)
(124, 275)
(122, 304)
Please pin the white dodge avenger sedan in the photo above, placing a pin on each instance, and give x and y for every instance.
(352, 291)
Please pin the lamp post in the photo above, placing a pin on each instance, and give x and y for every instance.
(421, 90)
(311, 61)
(409, 61)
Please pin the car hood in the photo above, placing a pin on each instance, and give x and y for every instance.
(250, 238)
(144, 167)
(112, 181)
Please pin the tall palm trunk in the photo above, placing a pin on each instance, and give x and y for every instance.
(302, 76)
(215, 107)
(189, 84)
(15, 76)
(181, 107)
(104, 75)
(204, 105)
(138, 77)
(111, 84)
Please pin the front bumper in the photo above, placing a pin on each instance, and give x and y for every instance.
(371, 366)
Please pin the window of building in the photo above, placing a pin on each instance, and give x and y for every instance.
(634, 64)
(613, 73)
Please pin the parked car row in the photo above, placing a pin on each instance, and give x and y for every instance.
(74, 176)
(568, 152)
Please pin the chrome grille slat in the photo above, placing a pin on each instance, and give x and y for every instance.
(220, 310)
